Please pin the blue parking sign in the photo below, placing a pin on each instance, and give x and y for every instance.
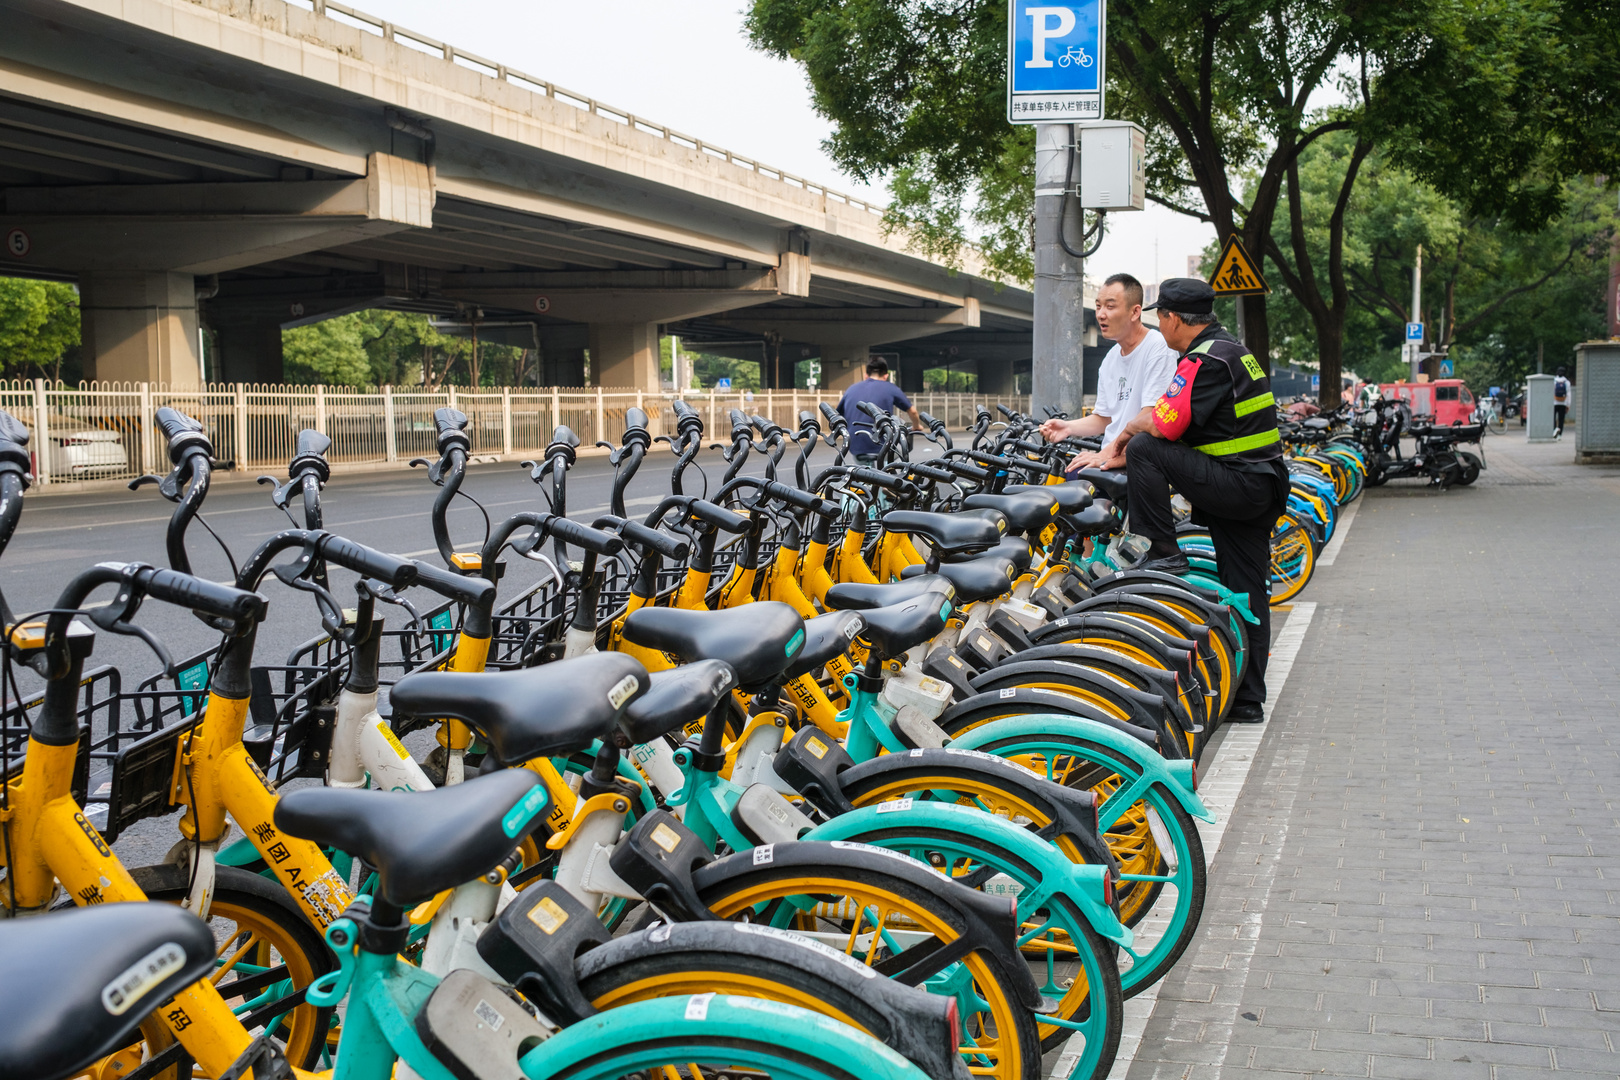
(1054, 61)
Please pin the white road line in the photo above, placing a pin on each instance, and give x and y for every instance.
(1331, 552)
(1220, 788)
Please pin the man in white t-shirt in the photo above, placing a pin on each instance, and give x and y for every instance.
(1133, 376)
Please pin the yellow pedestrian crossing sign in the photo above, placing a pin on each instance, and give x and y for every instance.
(1235, 273)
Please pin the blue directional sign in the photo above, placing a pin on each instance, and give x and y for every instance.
(1414, 332)
(722, 384)
(1054, 61)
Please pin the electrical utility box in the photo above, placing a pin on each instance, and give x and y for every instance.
(1596, 409)
(1538, 408)
(1113, 165)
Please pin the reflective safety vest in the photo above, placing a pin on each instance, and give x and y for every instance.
(1243, 427)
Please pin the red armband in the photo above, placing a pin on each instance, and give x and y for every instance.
(1174, 411)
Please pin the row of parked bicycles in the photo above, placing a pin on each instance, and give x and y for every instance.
(817, 769)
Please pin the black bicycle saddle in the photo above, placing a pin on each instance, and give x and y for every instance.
(826, 637)
(1029, 512)
(860, 596)
(556, 708)
(1110, 482)
(950, 533)
(78, 983)
(984, 578)
(892, 630)
(1095, 520)
(421, 842)
(1072, 496)
(758, 640)
(1015, 548)
(678, 697)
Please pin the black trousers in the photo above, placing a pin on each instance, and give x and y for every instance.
(1239, 509)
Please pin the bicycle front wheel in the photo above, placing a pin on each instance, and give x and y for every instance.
(268, 953)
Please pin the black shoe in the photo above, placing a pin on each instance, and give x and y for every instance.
(1166, 564)
(1245, 714)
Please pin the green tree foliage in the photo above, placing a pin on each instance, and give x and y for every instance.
(708, 369)
(331, 352)
(1493, 293)
(397, 348)
(39, 327)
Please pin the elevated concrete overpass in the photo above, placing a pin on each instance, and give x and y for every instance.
(249, 165)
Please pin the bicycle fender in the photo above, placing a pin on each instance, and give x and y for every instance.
(1175, 776)
(1073, 813)
(916, 1021)
(1083, 883)
(986, 923)
(718, 1017)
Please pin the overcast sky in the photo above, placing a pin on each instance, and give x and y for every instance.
(687, 65)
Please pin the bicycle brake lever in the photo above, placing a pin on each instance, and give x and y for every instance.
(378, 591)
(295, 575)
(114, 618)
(168, 486)
(280, 493)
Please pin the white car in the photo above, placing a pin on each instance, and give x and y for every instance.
(88, 453)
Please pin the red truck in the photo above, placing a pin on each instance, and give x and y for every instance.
(1447, 400)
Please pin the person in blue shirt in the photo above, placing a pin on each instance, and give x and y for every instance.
(877, 389)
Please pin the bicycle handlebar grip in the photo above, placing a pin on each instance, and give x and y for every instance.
(802, 499)
(739, 422)
(870, 409)
(311, 442)
(671, 547)
(719, 516)
(368, 562)
(189, 591)
(1004, 411)
(13, 429)
(448, 419)
(1030, 447)
(876, 477)
(932, 472)
(175, 423)
(682, 410)
(972, 472)
(833, 416)
(572, 532)
(472, 590)
(634, 418)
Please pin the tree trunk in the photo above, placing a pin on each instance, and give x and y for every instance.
(1257, 329)
(1330, 352)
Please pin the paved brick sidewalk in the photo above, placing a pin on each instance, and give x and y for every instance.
(1416, 881)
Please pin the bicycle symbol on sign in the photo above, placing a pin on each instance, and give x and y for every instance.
(1074, 55)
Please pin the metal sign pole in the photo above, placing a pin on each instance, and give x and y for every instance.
(1060, 303)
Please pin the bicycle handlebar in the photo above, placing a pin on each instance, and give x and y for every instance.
(464, 589)
(718, 516)
(583, 536)
(671, 547)
(368, 562)
(208, 597)
(801, 499)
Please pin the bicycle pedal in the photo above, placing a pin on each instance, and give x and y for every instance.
(476, 1031)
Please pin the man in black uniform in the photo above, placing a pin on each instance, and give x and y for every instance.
(1213, 438)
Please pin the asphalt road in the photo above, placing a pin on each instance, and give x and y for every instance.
(61, 535)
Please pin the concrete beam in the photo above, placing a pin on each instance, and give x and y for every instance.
(210, 228)
(606, 296)
(854, 327)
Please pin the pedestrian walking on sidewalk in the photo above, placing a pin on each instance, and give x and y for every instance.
(1132, 377)
(1213, 438)
(1560, 404)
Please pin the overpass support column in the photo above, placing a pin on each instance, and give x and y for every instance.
(140, 326)
(624, 354)
(249, 349)
(842, 366)
(996, 377)
(910, 376)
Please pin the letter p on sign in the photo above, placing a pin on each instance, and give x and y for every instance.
(1042, 28)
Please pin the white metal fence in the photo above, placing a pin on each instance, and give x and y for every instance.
(105, 431)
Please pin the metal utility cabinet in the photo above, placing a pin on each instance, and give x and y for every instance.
(1596, 409)
(1538, 408)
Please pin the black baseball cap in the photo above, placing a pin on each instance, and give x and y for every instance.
(1187, 294)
